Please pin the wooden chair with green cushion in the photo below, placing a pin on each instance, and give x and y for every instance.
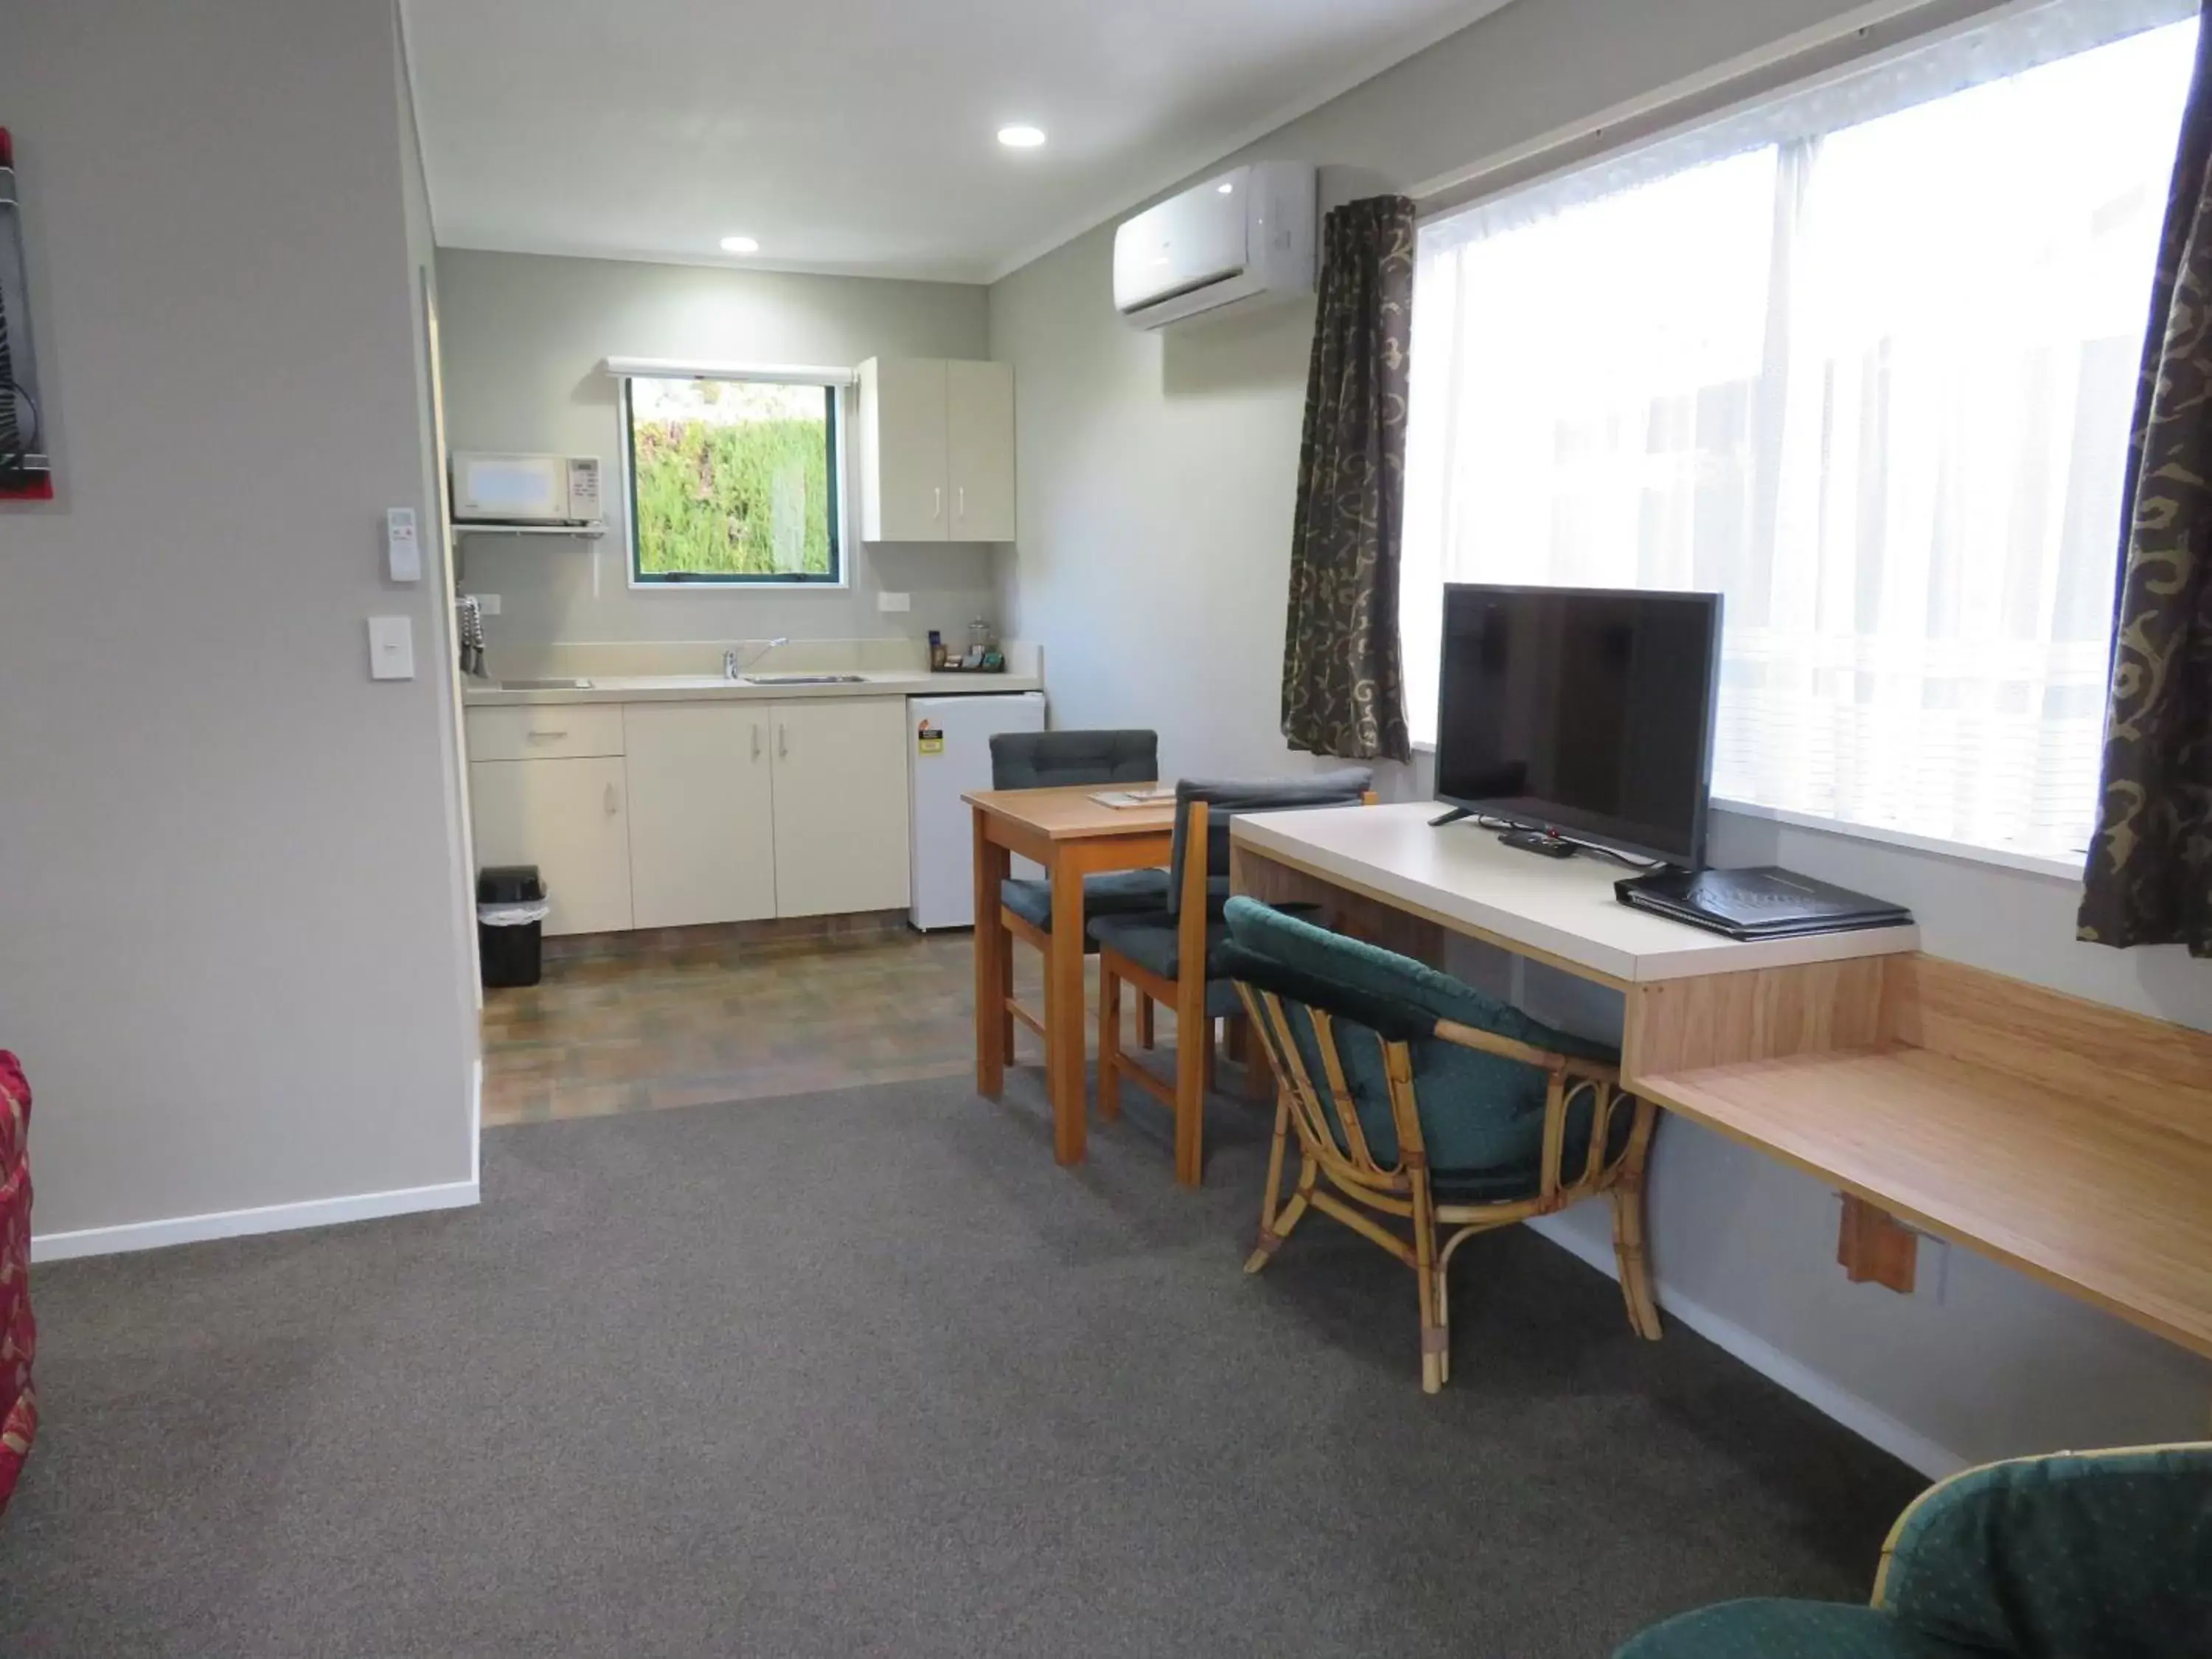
(1060, 760)
(2077, 1555)
(1418, 1100)
(1166, 953)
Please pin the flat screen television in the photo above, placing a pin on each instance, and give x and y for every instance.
(1584, 711)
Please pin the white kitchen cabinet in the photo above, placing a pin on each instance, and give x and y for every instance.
(936, 450)
(979, 404)
(567, 816)
(701, 812)
(840, 805)
(905, 453)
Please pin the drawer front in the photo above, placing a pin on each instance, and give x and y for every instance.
(550, 730)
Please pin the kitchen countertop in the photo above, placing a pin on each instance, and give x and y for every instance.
(696, 688)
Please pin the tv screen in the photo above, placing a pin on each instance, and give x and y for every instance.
(1587, 711)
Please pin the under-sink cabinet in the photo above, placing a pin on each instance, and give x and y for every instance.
(729, 810)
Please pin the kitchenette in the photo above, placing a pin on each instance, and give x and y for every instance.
(662, 785)
(732, 560)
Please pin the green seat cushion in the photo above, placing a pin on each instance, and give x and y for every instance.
(2106, 1554)
(1111, 894)
(1789, 1630)
(1152, 941)
(1482, 1116)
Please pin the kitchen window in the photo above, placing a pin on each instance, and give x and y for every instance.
(733, 481)
(1864, 360)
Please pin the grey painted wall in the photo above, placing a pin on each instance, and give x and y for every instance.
(1158, 479)
(229, 948)
(523, 335)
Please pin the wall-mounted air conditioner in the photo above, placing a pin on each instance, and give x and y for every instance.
(1245, 237)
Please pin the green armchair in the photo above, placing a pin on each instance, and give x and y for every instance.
(1425, 1113)
(2078, 1555)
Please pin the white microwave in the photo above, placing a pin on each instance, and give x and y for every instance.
(526, 489)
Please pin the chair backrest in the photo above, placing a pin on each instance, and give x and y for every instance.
(1040, 760)
(1473, 1110)
(1226, 799)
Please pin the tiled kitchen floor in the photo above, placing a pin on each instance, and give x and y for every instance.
(708, 1016)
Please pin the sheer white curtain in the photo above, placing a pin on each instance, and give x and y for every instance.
(1874, 383)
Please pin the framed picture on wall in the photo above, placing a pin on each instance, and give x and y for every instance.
(25, 468)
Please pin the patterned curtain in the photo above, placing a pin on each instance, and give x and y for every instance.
(2150, 866)
(1343, 689)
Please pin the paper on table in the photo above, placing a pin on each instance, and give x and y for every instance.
(1135, 796)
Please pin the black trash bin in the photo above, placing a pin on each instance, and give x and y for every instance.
(510, 948)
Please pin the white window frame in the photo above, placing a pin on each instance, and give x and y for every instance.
(842, 382)
(1802, 63)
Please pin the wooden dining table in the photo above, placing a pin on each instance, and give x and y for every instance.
(1072, 836)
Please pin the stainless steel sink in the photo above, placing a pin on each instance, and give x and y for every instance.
(805, 679)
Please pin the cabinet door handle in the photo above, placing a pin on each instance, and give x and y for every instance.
(755, 739)
(960, 502)
(937, 502)
(547, 736)
(613, 806)
(783, 741)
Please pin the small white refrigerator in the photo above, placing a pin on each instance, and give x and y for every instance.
(949, 755)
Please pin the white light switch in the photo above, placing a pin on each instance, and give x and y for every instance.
(893, 601)
(391, 648)
(403, 551)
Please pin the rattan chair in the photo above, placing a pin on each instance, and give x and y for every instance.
(1426, 1112)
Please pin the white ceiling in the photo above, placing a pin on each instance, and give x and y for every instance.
(859, 135)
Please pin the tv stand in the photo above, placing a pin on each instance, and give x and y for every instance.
(1539, 842)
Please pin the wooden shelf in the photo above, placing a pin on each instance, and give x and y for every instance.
(2111, 1204)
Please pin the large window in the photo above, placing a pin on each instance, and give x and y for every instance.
(731, 481)
(1868, 372)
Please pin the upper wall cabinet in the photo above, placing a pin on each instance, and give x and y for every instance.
(936, 450)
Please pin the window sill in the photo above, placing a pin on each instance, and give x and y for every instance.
(2034, 864)
(843, 585)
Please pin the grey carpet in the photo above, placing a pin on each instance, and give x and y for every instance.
(865, 1373)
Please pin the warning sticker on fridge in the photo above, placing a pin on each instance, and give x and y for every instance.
(928, 739)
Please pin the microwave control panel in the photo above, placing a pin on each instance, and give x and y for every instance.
(584, 486)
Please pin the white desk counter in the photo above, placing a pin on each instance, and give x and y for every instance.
(1560, 910)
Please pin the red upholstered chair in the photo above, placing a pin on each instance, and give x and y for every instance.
(18, 1406)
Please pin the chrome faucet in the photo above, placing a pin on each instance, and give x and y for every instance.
(733, 669)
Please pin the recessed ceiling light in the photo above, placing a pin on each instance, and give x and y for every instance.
(740, 244)
(1227, 189)
(1021, 138)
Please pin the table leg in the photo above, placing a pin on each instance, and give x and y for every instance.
(994, 965)
(1064, 1011)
